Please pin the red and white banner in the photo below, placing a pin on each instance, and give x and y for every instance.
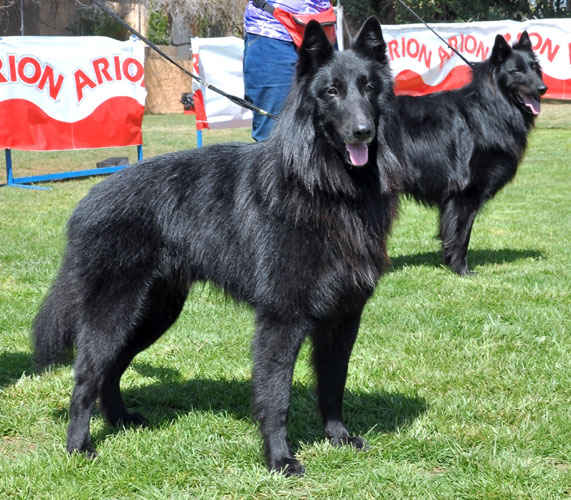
(422, 63)
(218, 61)
(70, 92)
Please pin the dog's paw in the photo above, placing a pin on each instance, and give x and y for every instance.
(88, 451)
(133, 419)
(289, 467)
(91, 453)
(465, 272)
(354, 441)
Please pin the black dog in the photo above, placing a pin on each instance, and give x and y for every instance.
(465, 145)
(295, 226)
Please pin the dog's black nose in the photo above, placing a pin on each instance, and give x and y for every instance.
(542, 89)
(363, 132)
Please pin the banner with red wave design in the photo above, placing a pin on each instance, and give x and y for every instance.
(70, 92)
(422, 63)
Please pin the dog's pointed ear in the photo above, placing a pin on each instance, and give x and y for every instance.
(524, 42)
(370, 43)
(315, 49)
(501, 50)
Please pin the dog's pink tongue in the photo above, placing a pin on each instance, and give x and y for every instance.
(358, 153)
(532, 104)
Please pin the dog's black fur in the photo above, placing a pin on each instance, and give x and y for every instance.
(291, 226)
(465, 145)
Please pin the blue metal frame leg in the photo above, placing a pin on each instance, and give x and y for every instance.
(23, 182)
(10, 181)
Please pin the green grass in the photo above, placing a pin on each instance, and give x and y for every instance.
(462, 386)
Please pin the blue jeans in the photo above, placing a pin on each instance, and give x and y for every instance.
(269, 69)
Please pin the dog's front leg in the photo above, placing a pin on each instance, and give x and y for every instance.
(275, 350)
(331, 353)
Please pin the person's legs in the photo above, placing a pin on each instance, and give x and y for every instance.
(269, 68)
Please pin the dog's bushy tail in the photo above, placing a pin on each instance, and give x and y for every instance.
(55, 326)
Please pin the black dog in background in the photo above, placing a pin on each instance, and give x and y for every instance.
(465, 145)
(295, 226)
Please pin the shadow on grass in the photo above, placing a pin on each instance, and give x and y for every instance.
(172, 397)
(13, 365)
(475, 258)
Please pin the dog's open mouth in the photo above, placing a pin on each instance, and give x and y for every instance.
(358, 153)
(530, 102)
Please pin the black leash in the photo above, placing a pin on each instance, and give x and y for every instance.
(235, 99)
(449, 46)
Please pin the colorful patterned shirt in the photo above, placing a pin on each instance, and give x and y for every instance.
(260, 22)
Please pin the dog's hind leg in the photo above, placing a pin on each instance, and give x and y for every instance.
(88, 373)
(162, 307)
(275, 348)
(110, 399)
(457, 216)
(331, 353)
(115, 327)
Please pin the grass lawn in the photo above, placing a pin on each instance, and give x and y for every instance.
(462, 386)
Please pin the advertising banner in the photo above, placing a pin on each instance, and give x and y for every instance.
(422, 63)
(59, 93)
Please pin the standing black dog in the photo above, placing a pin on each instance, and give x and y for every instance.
(295, 226)
(465, 145)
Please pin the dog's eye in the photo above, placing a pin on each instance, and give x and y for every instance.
(332, 91)
(369, 87)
